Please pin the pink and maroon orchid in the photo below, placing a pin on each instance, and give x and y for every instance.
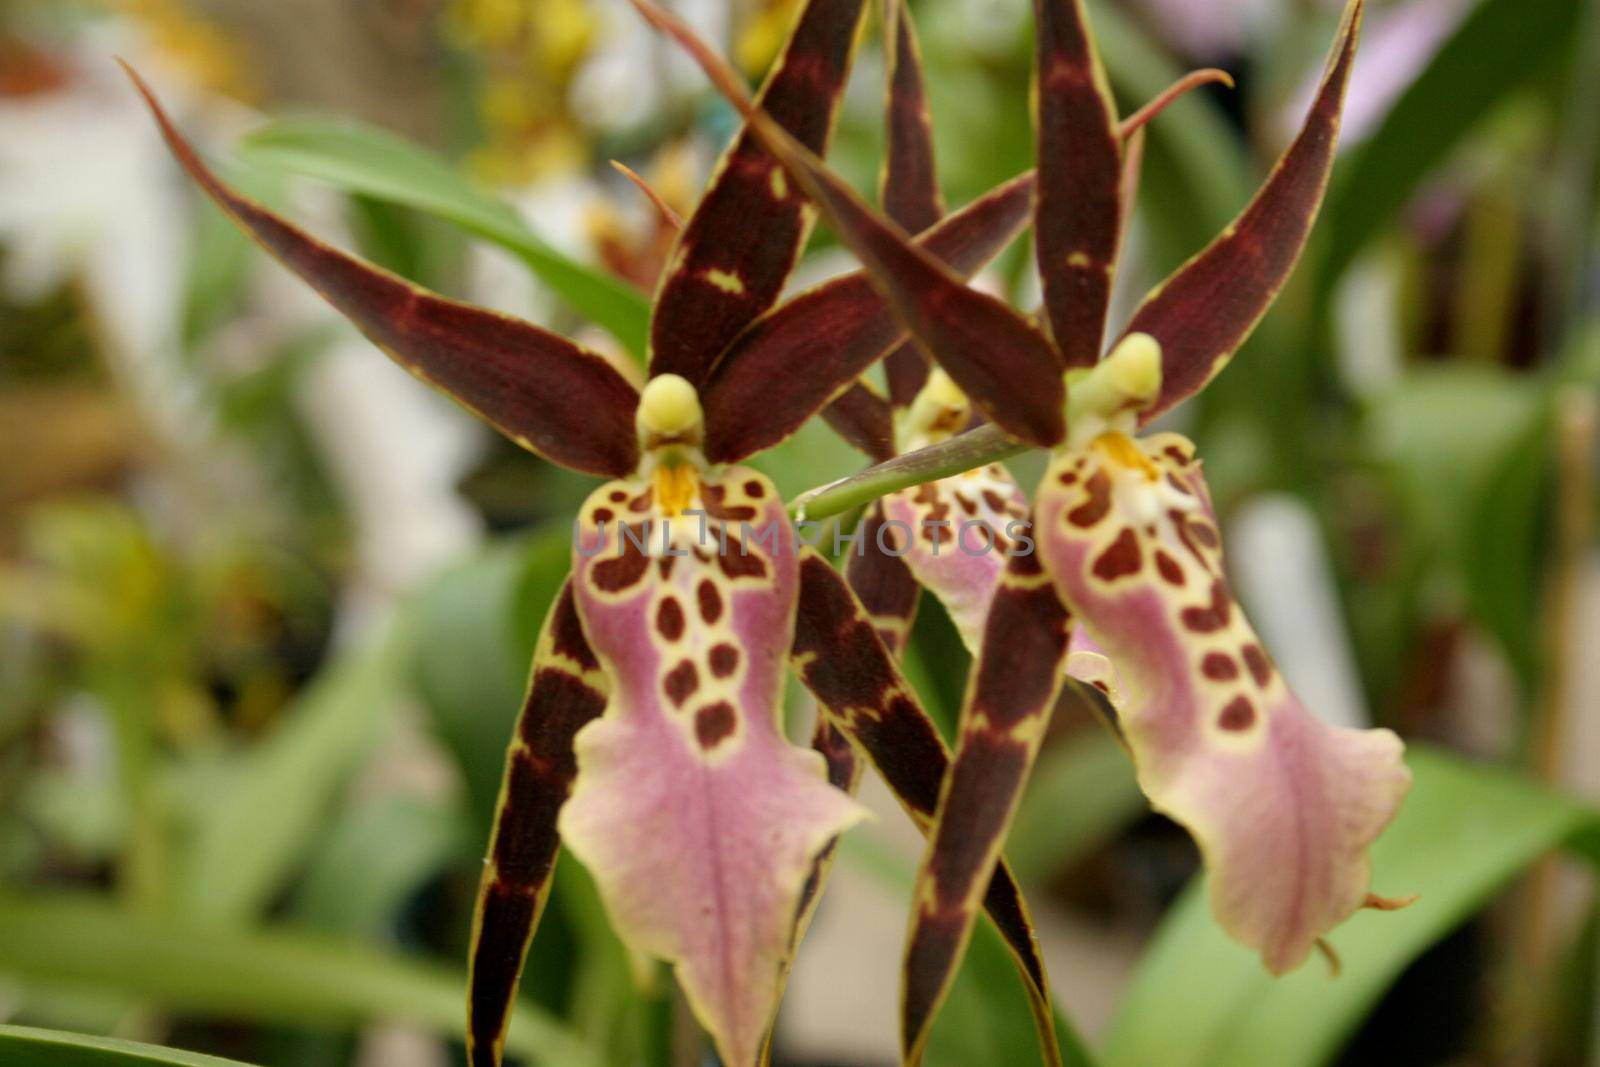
(1282, 805)
(650, 740)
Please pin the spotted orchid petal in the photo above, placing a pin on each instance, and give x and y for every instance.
(1008, 367)
(1079, 225)
(733, 257)
(1210, 305)
(565, 692)
(791, 362)
(697, 818)
(542, 391)
(1014, 685)
(1282, 804)
(862, 691)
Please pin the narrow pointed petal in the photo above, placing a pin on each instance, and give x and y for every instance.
(1209, 306)
(1079, 224)
(955, 536)
(862, 417)
(740, 244)
(792, 361)
(858, 684)
(1008, 367)
(699, 821)
(1013, 687)
(909, 191)
(542, 391)
(1282, 804)
(565, 692)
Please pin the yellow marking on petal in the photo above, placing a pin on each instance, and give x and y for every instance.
(780, 184)
(676, 486)
(727, 281)
(1078, 259)
(1119, 448)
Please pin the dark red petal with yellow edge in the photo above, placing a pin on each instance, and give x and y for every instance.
(795, 359)
(1014, 685)
(861, 416)
(1079, 222)
(733, 258)
(1206, 310)
(858, 685)
(882, 582)
(566, 691)
(1008, 368)
(542, 391)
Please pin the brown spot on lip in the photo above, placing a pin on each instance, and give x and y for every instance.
(995, 501)
(1260, 666)
(754, 489)
(617, 496)
(643, 501)
(1204, 534)
(710, 600)
(713, 724)
(1219, 667)
(1120, 559)
(1168, 568)
(669, 619)
(681, 683)
(724, 660)
(1098, 503)
(1238, 714)
(735, 563)
(620, 572)
(1213, 616)
(603, 515)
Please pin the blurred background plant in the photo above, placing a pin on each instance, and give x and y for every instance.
(266, 605)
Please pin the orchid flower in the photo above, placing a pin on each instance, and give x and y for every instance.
(1282, 805)
(650, 741)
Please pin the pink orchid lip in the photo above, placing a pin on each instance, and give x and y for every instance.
(1282, 804)
(699, 821)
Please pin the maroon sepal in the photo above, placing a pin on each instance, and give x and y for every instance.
(1013, 687)
(1078, 224)
(735, 254)
(798, 357)
(858, 685)
(540, 390)
(909, 189)
(1008, 368)
(564, 693)
(861, 416)
(1207, 308)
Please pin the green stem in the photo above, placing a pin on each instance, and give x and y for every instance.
(972, 449)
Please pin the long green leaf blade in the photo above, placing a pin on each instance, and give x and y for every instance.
(80, 941)
(26, 1046)
(367, 160)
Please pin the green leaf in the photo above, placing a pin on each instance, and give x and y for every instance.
(80, 941)
(1466, 447)
(1500, 45)
(371, 161)
(1200, 999)
(254, 816)
(25, 1046)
